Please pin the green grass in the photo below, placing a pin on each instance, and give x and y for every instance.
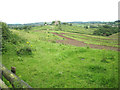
(114, 35)
(43, 28)
(76, 29)
(54, 65)
(91, 39)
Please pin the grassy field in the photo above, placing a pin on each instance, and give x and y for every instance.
(55, 65)
(76, 29)
(90, 39)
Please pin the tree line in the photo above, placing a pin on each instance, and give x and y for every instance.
(21, 27)
(106, 30)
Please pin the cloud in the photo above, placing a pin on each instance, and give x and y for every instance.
(26, 11)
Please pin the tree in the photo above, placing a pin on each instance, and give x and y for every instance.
(59, 22)
(65, 23)
(106, 30)
(6, 35)
(45, 23)
(92, 26)
(5, 32)
(106, 26)
(86, 27)
(53, 22)
(70, 24)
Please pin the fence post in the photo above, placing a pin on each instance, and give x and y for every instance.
(13, 69)
(13, 79)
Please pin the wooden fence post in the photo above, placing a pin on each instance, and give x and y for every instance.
(13, 69)
(13, 79)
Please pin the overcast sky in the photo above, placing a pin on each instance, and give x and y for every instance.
(30, 11)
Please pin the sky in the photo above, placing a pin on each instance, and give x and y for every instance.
(30, 11)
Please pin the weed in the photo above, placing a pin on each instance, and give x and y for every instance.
(81, 58)
(108, 81)
(87, 47)
(24, 51)
(20, 59)
(93, 60)
(104, 59)
(53, 41)
(81, 50)
(97, 69)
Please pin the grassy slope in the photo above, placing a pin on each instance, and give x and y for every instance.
(82, 34)
(90, 39)
(58, 65)
(76, 29)
(114, 35)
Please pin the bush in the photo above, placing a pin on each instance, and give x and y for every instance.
(106, 30)
(86, 27)
(8, 38)
(5, 32)
(6, 35)
(53, 41)
(92, 26)
(24, 51)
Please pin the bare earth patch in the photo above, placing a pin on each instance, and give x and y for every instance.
(82, 44)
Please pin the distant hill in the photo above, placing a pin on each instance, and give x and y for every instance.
(36, 24)
(29, 24)
(117, 21)
(86, 22)
(42, 23)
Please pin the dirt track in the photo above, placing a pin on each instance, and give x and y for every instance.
(82, 44)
